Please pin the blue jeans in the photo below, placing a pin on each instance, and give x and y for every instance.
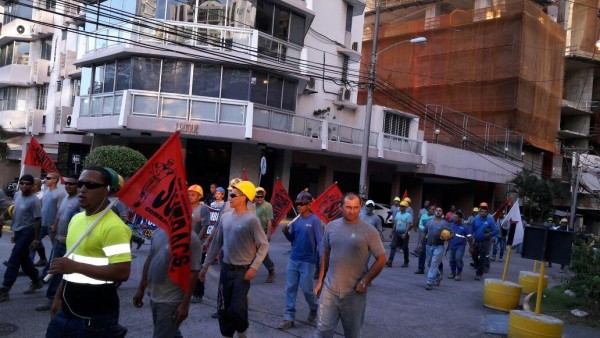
(422, 257)
(434, 257)
(456, 259)
(19, 258)
(299, 274)
(499, 242)
(41, 250)
(64, 325)
(58, 250)
(232, 299)
(350, 308)
(162, 318)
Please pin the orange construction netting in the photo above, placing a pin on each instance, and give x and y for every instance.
(503, 64)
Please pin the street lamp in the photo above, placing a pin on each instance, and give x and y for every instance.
(364, 159)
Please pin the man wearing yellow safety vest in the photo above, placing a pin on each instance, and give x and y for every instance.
(86, 302)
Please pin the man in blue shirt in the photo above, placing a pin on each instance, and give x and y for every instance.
(421, 248)
(484, 229)
(457, 245)
(305, 234)
(399, 235)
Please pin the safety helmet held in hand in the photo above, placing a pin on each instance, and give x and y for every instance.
(445, 235)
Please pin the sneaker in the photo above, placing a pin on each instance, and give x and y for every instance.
(451, 276)
(419, 272)
(493, 259)
(286, 325)
(44, 307)
(4, 296)
(40, 263)
(312, 315)
(405, 265)
(500, 259)
(388, 264)
(196, 299)
(458, 277)
(242, 334)
(477, 277)
(428, 287)
(415, 253)
(271, 277)
(38, 284)
(215, 315)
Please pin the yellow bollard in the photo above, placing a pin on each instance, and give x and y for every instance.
(529, 281)
(501, 295)
(524, 324)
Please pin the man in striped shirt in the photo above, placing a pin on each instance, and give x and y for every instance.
(86, 302)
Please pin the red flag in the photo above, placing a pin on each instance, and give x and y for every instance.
(327, 206)
(244, 175)
(281, 202)
(498, 212)
(405, 195)
(37, 157)
(158, 193)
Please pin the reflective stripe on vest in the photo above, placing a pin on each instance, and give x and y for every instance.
(82, 279)
(116, 249)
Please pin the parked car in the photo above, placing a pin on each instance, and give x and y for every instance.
(383, 211)
(11, 187)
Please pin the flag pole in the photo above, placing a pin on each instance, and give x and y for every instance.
(506, 263)
(540, 289)
(86, 232)
(534, 266)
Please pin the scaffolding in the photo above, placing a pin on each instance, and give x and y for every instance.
(502, 64)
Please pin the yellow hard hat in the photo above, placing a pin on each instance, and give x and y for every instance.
(407, 200)
(11, 210)
(397, 199)
(404, 204)
(233, 182)
(445, 235)
(121, 182)
(196, 188)
(247, 188)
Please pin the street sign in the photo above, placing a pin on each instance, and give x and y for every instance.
(76, 159)
(263, 165)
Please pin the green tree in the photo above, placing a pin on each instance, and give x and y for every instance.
(537, 195)
(124, 160)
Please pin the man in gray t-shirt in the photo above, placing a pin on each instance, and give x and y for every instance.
(26, 226)
(50, 202)
(170, 304)
(347, 243)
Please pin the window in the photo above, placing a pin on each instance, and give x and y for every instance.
(264, 17)
(207, 80)
(46, 49)
(175, 77)
(396, 124)
(86, 81)
(290, 93)
(236, 83)
(75, 88)
(59, 85)
(123, 77)
(22, 10)
(98, 79)
(146, 74)
(282, 23)
(109, 78)
(50, 4)
(211, 12)
(41, 97)
(297, 29)
(13, 98)
(260, 83)
(274, 92)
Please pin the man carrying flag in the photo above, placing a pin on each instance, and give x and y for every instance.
(86, 302)
(244, 246)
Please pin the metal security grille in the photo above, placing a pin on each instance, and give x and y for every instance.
(42, 97)
(396, 124)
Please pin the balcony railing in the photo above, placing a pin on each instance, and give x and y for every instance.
(468, 131)
(197, 36)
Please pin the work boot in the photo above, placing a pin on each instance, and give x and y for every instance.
(4, 296)
(270, 277)
(419, 272)
(312, 315)
(242, 334)
(458, 277)
(451, 276)
(388, 264)
(477, 277)
(38, 284)
(493, 258)
(44, 307)
(286, 325)
(405, 265)
(428, 287)
(500, 259)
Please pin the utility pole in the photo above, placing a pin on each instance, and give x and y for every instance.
(364, 159)
(575, 174)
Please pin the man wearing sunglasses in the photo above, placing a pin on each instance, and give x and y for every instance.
(305, 235)
(86, 302)
(68, 208)
(27, 216)
(244, 246)
(264, 212)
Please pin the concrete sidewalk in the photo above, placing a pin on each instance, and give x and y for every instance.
(398, 304)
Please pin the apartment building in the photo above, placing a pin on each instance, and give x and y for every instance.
(38, 83)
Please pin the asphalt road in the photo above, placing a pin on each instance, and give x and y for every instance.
(398, 304)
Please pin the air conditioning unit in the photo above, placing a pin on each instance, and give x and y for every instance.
(344, 94)
(355, 46)
(68, 121)
(311, 84)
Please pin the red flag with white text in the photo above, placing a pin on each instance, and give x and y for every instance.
(327, 206)
(281, 202)
(405, 195)
(37, 157)
(158, 193)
